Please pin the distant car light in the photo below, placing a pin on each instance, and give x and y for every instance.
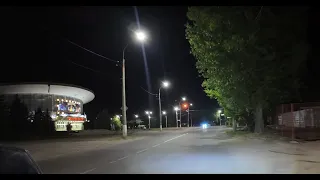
(204, 126)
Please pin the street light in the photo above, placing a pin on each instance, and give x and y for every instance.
(165, 84)
(165, 114)
(140, 37)
(183, 99)
(219, 111)
(136, 115)
(176, 109)
(189, 114)
(149, 113)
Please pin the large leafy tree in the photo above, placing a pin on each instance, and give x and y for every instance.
(250, 57)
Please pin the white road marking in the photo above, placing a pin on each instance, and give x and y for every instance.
(122, 158)
(88, 171)
(57, 155)
(156, 145)
(175, 138)
(142, 151)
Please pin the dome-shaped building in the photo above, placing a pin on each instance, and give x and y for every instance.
(64, 102)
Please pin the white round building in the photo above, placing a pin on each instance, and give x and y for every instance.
(64, 102)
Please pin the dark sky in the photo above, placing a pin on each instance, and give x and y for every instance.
(34, 49)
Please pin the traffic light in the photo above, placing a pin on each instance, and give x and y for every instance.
(185, 106)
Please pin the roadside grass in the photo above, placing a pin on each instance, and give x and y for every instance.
(164, 129)
(267, 135)
(243, 134)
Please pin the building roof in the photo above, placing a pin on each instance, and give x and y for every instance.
(77, 92)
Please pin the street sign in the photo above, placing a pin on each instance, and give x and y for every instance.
(126, 108)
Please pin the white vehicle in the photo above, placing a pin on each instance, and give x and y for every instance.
(142, 127)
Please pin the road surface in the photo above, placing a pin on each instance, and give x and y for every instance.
(191, 151)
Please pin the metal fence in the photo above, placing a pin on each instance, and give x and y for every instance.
(299, 120)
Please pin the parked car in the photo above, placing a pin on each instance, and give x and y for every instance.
(142, 127)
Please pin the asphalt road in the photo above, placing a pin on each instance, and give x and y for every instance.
(192, 151)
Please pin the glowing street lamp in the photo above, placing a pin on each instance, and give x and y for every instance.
(136, 116)
(219, 111)
(149, 113)
(165, 114)
(140, 36)
(176, 109)
(165, 84)
(183, 99)
(189, 114)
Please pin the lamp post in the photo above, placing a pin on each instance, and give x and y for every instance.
(177, 109)
(189, 114)
(141, 37)
(165, 84)
(149, 113)
(165, 114)
(183, 99)
(219, 111)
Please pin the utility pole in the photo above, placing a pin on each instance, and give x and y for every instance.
(160, 112)
(166, 121)
(177, 119)
(180, 113)
(188, 114)
(124, 106)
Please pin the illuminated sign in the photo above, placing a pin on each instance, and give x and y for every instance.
(76, 119)
(67, 106)
(62, 125)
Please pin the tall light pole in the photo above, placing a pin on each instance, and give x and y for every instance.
(165, 114)
(189, 113)
(165, 84)
(141, 37)
(183, 99)
(176, 109)
(136, 116)
(149, 113)
(219, 111)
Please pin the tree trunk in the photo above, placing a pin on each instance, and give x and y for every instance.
(234, 125)
(258, 119)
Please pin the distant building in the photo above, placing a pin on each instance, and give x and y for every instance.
(64, 102)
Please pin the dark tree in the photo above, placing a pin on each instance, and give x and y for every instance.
(48, 124)
(103, 120)
(18, 118)
(4, 118)
(38, 123)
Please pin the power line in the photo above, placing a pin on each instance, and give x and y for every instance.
(148, 92)
(75, 44)
(85, 67)
(91, 51)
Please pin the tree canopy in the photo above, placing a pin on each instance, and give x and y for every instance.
(250, 57)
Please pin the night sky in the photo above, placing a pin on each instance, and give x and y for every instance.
(34, 48)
